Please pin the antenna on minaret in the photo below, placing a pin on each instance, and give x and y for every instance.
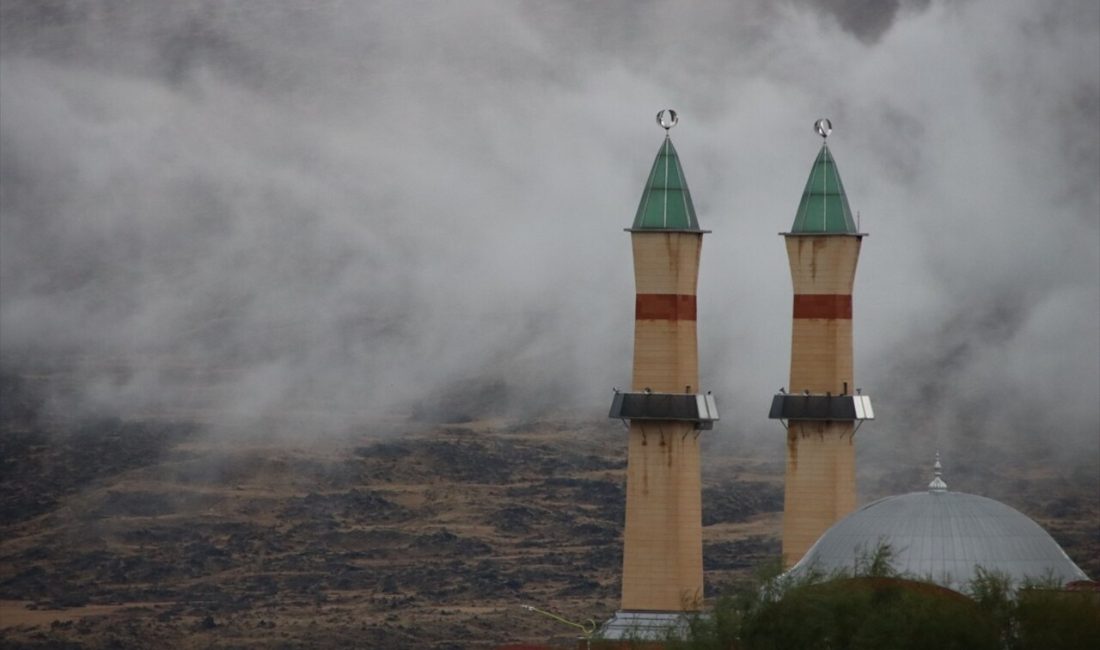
(937, 484)
(667, 119)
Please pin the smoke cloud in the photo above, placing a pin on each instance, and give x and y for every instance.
(332, 211)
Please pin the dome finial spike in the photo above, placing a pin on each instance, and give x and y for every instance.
(823, 127)
(937, 484)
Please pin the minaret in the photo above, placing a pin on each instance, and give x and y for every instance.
(823, 408)
(662, 539)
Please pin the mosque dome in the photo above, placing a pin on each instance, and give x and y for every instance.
(943, 536)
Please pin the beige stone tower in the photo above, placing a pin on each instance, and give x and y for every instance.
(822, 409)
(662, 539)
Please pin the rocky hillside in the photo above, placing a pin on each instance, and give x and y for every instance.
(132, 533)
(143, 533)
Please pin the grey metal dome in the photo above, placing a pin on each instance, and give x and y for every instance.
(943, 536)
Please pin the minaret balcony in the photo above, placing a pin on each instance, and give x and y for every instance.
(700, 409)
(807, 406)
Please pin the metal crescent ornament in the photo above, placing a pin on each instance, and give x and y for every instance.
(823, 127)
(667, 119)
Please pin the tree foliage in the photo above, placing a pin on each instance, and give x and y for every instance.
(876, 608)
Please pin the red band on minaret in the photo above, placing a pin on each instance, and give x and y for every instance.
(664, 306)
(833, 306)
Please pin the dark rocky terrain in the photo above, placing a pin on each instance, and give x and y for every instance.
(141, 532)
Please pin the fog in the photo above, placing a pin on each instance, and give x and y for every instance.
(336, 211)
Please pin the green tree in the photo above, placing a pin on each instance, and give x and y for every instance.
(877, 608)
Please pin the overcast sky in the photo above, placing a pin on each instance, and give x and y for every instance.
(341, 208)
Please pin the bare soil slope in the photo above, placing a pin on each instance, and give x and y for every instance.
(145, 533)
(130, 534)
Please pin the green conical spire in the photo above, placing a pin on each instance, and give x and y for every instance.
(666, 202)
(824, 207)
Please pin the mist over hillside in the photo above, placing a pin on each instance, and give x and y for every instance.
(131, 533)
(260, 212)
